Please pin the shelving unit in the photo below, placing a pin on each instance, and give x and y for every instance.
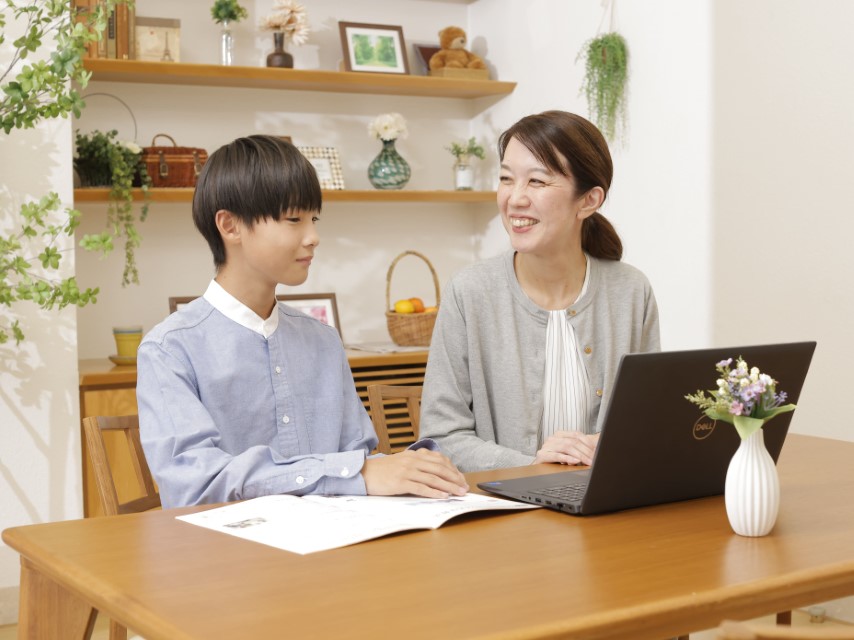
(371, 195)
(293, 79)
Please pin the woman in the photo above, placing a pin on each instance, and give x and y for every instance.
(527, 344)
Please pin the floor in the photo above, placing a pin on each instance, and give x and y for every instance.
(799, 619)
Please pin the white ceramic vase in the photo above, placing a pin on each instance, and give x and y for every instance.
(752, 489)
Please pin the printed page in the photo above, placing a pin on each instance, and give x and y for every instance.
(316, 523)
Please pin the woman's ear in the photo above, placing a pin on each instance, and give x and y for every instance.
(591, 202)
(229, 226)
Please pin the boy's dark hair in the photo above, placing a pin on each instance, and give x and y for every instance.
(254, 178)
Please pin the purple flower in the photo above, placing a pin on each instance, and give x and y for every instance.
(736, 408)
(724, 363)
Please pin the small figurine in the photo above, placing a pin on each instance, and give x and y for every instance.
(453, 53)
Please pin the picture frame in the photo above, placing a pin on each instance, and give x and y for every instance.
(321, 306)
(423, 53)
(327, 164)
(373, 48)
(157, 39)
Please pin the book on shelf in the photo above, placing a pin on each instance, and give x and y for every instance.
(110, 36)
(317, 523)
(122, 51)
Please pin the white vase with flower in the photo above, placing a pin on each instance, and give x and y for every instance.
(747, 399)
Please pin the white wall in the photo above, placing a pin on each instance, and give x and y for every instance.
(784, 155)
(40, 472)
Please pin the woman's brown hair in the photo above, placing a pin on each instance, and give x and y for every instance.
(572, 146)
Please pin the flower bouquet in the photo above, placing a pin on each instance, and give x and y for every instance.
(745, 397)
(289, 18)
(388, 126)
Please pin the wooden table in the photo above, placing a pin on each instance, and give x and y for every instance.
(647, 573)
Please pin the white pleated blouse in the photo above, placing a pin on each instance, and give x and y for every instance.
(566, 386)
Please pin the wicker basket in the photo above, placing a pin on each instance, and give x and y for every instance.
(410, 329)
(173, 166)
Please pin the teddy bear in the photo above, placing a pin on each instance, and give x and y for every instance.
(453, 53)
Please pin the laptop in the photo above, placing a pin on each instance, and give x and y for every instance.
(657, 447)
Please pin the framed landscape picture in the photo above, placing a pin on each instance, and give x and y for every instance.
(375, 48)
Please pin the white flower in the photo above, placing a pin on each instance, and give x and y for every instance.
(289, 17)
(133, 147)
(388, 126)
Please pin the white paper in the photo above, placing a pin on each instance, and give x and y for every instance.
(316, 523)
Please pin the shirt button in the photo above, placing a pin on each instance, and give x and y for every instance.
(278, 369)
(344, 472)
(588, 350)
(286, 419)
(300, 479)
(572, 312)
(599, 392)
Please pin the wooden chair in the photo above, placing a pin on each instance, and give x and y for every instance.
(93, 428)
(396, 414)
(730, 630)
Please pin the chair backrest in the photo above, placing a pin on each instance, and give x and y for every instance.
(396, 414)
(730, 630)
(93, 428)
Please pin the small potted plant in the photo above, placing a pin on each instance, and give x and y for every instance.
(102, 160)
(289, 25)
(225, 12)
(463, 171)
(605, 82)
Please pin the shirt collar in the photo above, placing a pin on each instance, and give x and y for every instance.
(233, 309)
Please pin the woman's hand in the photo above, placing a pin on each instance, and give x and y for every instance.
(568, 447)
(422, 473)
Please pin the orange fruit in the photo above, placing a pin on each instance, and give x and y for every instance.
(417, 304)
(431, 309)
(404, 306)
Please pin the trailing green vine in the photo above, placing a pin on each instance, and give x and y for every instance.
(101, 160)
(606, 82)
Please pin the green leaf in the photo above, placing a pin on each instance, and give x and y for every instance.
(747, 426)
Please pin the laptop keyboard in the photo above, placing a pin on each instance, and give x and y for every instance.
(568, 493)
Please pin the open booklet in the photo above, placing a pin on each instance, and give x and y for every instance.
(316, 523)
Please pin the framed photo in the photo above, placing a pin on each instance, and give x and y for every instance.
(326, 162)
(157, 39)
(321, 306)
(423, 53)
(376, 48)
(317, 305)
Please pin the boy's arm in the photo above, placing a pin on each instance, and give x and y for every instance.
(182, 445)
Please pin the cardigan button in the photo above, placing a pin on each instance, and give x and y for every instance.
(599, 392)
(588, 350)
(572, 312)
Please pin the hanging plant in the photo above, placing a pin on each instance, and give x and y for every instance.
(605, 82)
(101, 160)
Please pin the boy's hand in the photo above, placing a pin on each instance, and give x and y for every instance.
(421, 473)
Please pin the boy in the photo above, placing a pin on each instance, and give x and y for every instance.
(241, 397)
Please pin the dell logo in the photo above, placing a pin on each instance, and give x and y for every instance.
(703, 427)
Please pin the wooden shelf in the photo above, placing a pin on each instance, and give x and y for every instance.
(292, 79)
(371, 195)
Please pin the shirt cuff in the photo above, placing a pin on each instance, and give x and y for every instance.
(424, 443)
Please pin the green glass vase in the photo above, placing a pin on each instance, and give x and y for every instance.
(389, 170)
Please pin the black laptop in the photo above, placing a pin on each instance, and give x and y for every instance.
(657, 447)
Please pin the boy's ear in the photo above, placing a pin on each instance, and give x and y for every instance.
(228, 225)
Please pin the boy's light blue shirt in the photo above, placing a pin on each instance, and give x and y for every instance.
(233, 406)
